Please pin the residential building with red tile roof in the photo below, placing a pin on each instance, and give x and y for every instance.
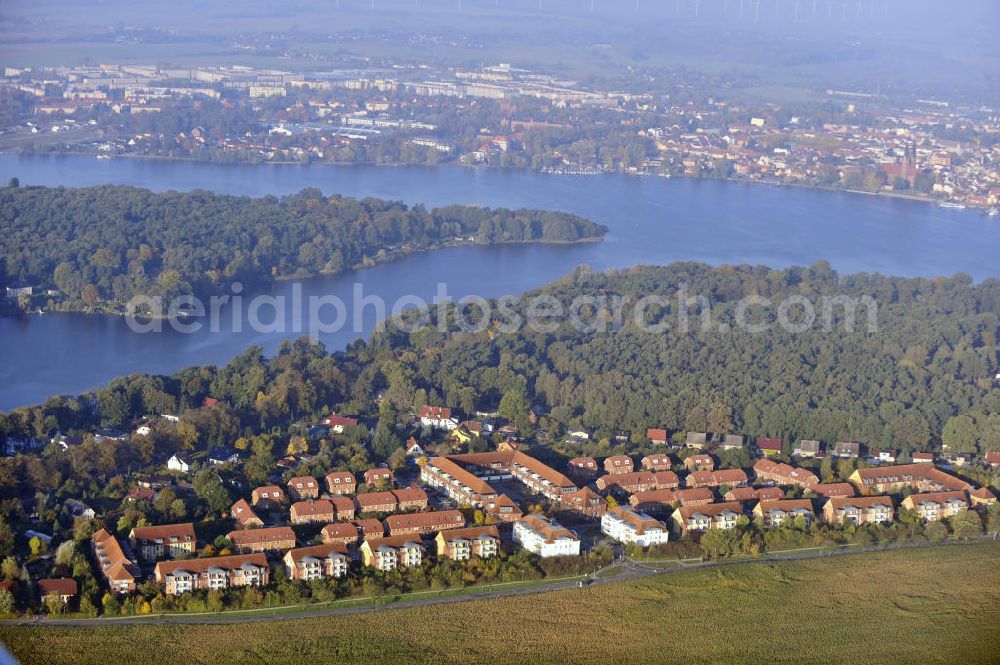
(410, 498)
(437, 417)
(341, 482)
(424, 523)
(64, 587)
(699, 462)
(262, 540)
(582, 469)
(317, 562)
(584, 501)
(992, 459)
(917, 477)
(392, 552)
(656, 436)
(458, 483)
(982, 497)
(768, 447)
(619, 464)
(628, 526)
(376, 502)
(859, 510)
(658, 501)
(540, 478)
(268, 497)
(369, 527)
(707, 516)
(932, 506)
(926, 458)
(380, 475)
(151, 543)
(754, 494)
(463, 544)
(776, 512)
(502, 509)
(833, 490)
(656, 462)
(342, 532)
(343, 506)
(120, 572)
(630, 483)
(245, 515)
(718, 478)
(313, 510)
(666, 480)
(219, 572)
(545, 537)
(301, 488)
(780, 473)
(338, 423)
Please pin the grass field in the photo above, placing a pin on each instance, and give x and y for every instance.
(932, 605)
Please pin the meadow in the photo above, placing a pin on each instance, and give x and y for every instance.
(930, 605)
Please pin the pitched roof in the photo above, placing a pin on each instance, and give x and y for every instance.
(243, 513)
(833, 489)
(470, 533)
(435, 412)
(547, 528)
(197, 566)
(718, 477)
(765, 443)
(908, 473)
(340, 531)
(410, 494)
(711, 509)
(430, 521)
(406, 540)
(375, 499)
(638, 521)
(166, 532)
(838, 503)
(312, 507)
(785, 505)
(263, 535)
(344, 478)
(64, 586)
(303, 483)
(318, 551)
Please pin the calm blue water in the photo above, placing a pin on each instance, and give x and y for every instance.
(652, 221)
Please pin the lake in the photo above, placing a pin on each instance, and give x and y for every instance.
(651, 221)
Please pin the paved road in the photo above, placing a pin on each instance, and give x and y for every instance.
(631, 570)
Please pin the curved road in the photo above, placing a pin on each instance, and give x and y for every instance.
(632, 570)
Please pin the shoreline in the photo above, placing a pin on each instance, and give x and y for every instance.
(774, 183)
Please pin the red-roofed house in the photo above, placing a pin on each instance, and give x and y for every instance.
(768, 447)
(619, 464)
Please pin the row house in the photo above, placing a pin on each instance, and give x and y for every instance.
(245, 515)
(317, 562)
(833, 490)
(584, 501)
(118, 570)
(392, 552)
(780, 473)
(933, 506)
(220, 572)
(545, 537)
(705, 517)
(339, 483)
(664, 500)
(424, 523)
(301, 488)
(262, 540)
(776, 512)
(628, 526)
(859, 510)
(307, 512)
(656, 462)
(982, 497)
(410, 498)
(343, 506)
(463, 544)
(619, 464)
(754, 494)
(152, 543)
(917, 477)
(376, 502)
(719, 478)
(268, 497)
(630, 483)
(540, 478)
(460, 485)
(344, 533)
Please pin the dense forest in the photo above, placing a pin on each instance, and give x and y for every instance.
(925, 378)
(99, 246)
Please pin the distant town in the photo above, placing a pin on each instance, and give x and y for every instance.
(506, 116)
